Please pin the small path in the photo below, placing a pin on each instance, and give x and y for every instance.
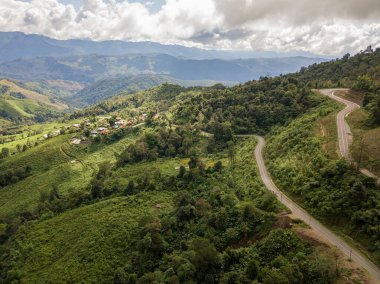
(68, 155)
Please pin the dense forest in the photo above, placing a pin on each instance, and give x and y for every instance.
(221, 227)
(254, 107)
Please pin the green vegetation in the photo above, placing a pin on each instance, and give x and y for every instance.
(83, 245)
(160, 190)
(329, 188)
(202, 224)
(365, 148)
(359, 72)
(107, 88)
(20, 105)
(250, 108)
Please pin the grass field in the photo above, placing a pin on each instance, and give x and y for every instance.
(51, 166)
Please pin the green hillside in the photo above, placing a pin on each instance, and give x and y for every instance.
(18, 104)
(85, 244)
(107, 88)
(326, 186)
(105, 239)
(157, 187)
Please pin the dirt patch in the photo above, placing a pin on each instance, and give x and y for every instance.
(353, 96)
(309, 236)
(283, 222)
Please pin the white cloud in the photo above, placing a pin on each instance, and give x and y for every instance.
(324, 26)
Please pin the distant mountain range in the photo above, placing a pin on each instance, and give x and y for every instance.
(83, 72)
(90, 68)
(14, 45)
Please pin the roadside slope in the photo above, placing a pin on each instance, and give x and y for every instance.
(300, 213)
(344, 131)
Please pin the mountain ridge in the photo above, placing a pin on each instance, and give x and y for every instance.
(15, 41)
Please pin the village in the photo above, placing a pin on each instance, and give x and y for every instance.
(103, 126)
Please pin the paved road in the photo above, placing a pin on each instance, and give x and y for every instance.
(300, 213)
(344, 132)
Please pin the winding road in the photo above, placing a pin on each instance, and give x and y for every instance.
(300, 213)
(344, 131)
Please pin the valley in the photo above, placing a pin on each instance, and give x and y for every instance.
(156, 168)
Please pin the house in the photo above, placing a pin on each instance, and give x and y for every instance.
(46, 136)
(103, 130)
(94, 133)
(57, 132)
(119, 123)
(76, 125)
(118, 118)
(75, 141)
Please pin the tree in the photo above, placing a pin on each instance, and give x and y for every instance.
(206, 259)
(130, 188)
(182, 172)
(363, 83)
(376, 112)
(252, 269)
(54, 193)
(4, 153)
(112, 121)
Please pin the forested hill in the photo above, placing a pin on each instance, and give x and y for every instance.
(360, 72)
(254, 107)
(344, 72)
(107, 88)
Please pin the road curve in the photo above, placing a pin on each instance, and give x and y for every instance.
(300, 213)
(344, 132)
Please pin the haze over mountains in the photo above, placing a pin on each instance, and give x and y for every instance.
(134, 65)
(88, 61)
(12, 46)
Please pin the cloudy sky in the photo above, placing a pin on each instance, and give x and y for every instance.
(326, 27)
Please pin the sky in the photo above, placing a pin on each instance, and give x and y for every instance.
(325, 27)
